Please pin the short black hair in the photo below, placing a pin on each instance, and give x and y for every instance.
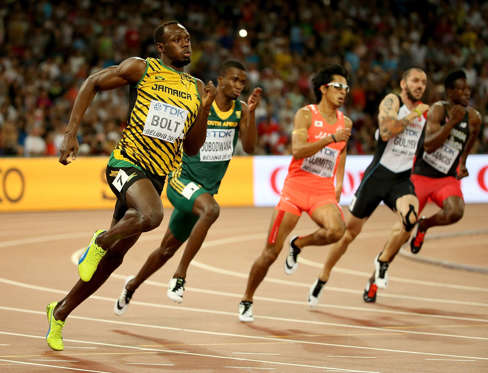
(158, 34)
(407, 72)
(324, 76)
(228, 64)
(452, 77)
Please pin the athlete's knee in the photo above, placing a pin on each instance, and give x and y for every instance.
(337, 231)
(167, 252)
(211, 212)
(330, 234)
(350, 235)
(455, 214)
(145, 220)
(410, 218)
(151, 220)
(269, 255)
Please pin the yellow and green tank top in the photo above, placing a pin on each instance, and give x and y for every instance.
(163, 107)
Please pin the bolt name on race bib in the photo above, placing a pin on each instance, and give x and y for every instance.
(165, 122)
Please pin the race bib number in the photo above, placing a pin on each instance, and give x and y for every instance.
(120, 180)
(189, 189)
(442, 158)
(219, 145)
(321, 163)
(405, 143)
(164, 121)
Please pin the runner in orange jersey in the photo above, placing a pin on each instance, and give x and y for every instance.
(319, 155)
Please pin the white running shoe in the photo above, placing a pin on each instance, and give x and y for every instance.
(314, 292)
(122, 302)
(245, 311)
(380, 272)
(291, 262)
(176, 288)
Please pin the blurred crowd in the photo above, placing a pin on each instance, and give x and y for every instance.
(48, 48)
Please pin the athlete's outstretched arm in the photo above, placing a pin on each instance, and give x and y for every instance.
(129, 71)
(341, 165)
(198, 133)
(388, 123)
(300, 148)
(435, 134)
(247, 125)
(474, 131)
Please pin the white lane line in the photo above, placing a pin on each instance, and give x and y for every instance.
(331, 288)
(52, 366)
(235, 335)
(353, 356)
(154, 364)
(39, 239)
(253, 368)
(449, 360)
(257, 353)
(56, 360)
(232, 314)
(288, 301)
(393, 278)
(177, 352)
(233, 240)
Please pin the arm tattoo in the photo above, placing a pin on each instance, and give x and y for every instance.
(389, 103)
(385, 132)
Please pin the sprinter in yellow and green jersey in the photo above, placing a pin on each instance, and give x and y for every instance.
(168, 115)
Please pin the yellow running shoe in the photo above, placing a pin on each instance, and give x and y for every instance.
(54, 336)
(88, 263)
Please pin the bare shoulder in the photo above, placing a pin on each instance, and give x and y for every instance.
(304, 111)
(474, 116)
(136, 63)
(132, 68)
(347, 122)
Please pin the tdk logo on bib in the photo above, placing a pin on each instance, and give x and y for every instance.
(165, 122)
(220, 133)
(171, 110)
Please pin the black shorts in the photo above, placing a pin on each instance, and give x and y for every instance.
(121, 176)
(377, 186)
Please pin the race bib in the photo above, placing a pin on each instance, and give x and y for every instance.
(405, 143)
(219, 145)
(121, 179)
(321, 163)
(189, 189)
(164, 121)
(442, 158)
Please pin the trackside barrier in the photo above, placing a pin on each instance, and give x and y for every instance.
(39, 184)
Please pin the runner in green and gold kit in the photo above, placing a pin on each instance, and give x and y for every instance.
(192, 186)
(168, 114)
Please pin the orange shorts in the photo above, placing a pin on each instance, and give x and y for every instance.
(299, 197)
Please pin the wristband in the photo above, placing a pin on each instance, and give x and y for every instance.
(333, 138)
(418, 111)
